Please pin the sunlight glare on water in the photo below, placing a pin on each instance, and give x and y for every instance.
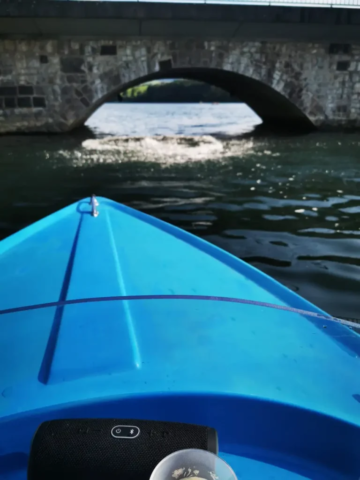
(136, 120)
(188, 133)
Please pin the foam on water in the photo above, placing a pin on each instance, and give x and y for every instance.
(167, 149)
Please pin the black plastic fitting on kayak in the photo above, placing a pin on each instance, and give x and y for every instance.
(105, 449)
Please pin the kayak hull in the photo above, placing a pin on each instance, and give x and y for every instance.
(122, 315)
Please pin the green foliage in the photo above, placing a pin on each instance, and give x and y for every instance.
(177, 91)
(135, 91)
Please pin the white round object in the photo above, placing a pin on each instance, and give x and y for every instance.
(193, 464)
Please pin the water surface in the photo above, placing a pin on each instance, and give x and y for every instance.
(288, 205)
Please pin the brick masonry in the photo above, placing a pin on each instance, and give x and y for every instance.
(55, 85)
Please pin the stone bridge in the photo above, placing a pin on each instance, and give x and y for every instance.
(50, 84)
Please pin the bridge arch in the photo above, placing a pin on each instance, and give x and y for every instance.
(264, 76)
(274, 108)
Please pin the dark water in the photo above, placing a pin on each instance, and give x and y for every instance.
(290, 206)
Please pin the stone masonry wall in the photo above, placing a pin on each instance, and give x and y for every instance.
(55, 85)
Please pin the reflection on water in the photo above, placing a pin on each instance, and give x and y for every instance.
(290, 206)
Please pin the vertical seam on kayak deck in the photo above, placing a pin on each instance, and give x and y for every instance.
(45, 368)
(128, 316)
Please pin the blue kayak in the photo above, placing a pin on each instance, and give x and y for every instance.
(106, 312)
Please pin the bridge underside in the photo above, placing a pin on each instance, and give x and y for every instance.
(275, 110)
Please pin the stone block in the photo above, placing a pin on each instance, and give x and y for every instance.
(50, 46)
(87, 90)
(115, 80)
(39, 102)
(108, 50)
(25, 90)
(10, 102)
(42, 79)
(33, 64)
(342, 66)
(53, 79)
(104, 77)
(24, 102)
(63, 47)
(8, 91)
(72, 64)
(27, 79)
(90, 66)
(66, 91)
(54, 94)
(39, 90)
(71, 79)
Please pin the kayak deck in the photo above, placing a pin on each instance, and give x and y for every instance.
(72, 254)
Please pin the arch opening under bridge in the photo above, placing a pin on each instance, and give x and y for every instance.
(274, 108)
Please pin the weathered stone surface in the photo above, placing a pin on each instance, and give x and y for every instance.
(39, 91)
(85, 102)
(87, 90)
(52, 85)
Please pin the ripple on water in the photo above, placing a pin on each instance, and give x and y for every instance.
(276, 202)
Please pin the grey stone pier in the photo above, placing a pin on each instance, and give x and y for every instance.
(60, 61)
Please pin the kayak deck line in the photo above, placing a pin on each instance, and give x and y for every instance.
(45, 368)
(179, 297)
(93, 270)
